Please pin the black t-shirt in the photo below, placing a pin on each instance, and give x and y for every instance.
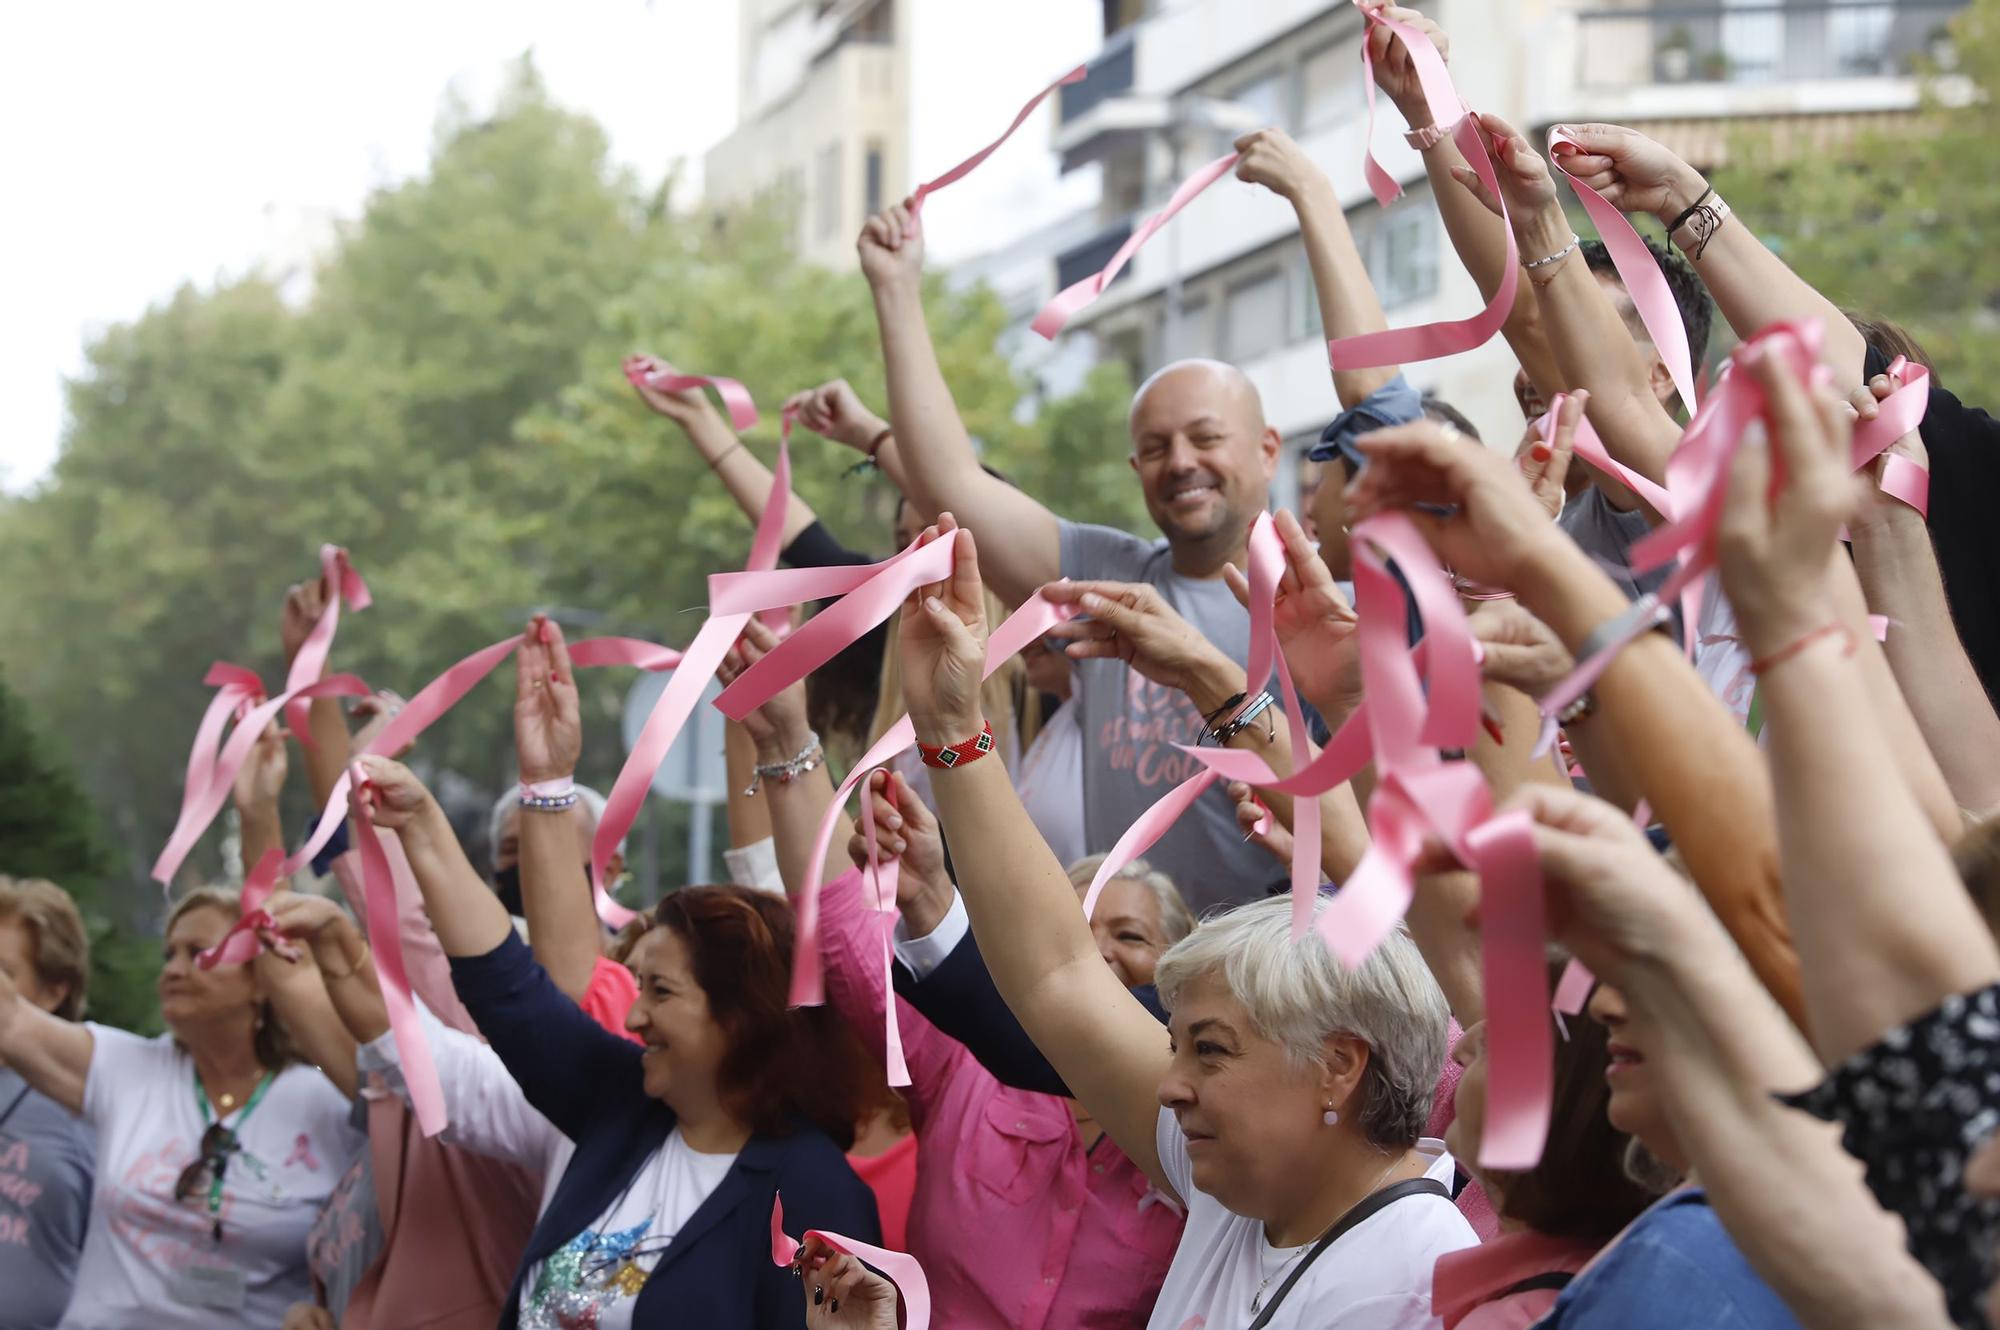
(1964, 447)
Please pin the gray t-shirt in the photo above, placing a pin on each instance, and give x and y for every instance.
(1130, 726)
(47, 1158)
(1608, 536)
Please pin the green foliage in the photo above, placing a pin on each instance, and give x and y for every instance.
(447, 403)
(1900, 225)
(48, 829)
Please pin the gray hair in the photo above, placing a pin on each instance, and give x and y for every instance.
(593, 810)
(1298, 995)
(1176, 919)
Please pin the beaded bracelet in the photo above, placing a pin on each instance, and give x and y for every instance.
(549, 796)
(958, 754)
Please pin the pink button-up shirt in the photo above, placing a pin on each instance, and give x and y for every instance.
(1018, 1227)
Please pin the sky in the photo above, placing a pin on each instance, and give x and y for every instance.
(155, 144)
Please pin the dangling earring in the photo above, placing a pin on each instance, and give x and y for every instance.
(1331, 1117)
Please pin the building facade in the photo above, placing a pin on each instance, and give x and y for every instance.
(823, 120)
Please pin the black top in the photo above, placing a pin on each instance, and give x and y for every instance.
(1964, 447)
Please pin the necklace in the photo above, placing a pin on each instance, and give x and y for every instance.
(1257, 1298)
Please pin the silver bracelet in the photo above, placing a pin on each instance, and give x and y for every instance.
(790, 770)
(1558, 256)
(1220, 735)
(1643, 615)
(548, 803)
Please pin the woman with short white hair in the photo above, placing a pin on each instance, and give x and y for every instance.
(1286, 1108)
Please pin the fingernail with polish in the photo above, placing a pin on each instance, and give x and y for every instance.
(819, 1295)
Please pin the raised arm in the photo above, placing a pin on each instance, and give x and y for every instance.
(260, 782)
(468, 918)
(326, 756)
(1778, 1180)
(748, 480)
(1886, 930)
(1684, 751)
(1105, 1046)
(50, 1053)
(835, 410)
(548, 739)
(306, 1009)
(940, 470)
(1899, 576)
(1347, 302)
(1478, 235)
(1752, 286)
(344, 960)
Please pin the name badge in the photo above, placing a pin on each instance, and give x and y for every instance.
(220, 1287)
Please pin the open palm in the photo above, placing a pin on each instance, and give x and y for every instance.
(944, 645)
(548, 722)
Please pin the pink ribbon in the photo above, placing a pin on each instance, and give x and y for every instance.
(1901, 412)
(302, 1153)
(1400, 346)
(413, 1050)
(337, 575)
(1639, 271)
(881, 876)
(967, 166)
(240, 945)
(901, 1269)
(651, 372)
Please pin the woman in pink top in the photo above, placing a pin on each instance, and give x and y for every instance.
(1554, 1217)
(1025, 1216)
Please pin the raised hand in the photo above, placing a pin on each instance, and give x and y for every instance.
(683, 408)
(261, 778)
(1875, 507)
(905, 830)
(1276, 839)
(1497, 531)
(1631, 171)
(391, 796)
(375, 711)
(1313, 621)
(548, 721)
(1775, 550)
(892, 248)
(304, 603)
(1395, 74)
(779, 727)
(1517, 649)
(834, 410)
(304, 917)
(1132, 622)
(843, 1294)
(1546, 465)
(1524, 176)
(943, 634)
(1270, 158)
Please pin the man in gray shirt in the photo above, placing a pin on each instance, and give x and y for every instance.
(1204, 458)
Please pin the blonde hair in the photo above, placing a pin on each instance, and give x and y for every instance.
(1176, 919)
(1004, 695)
(56, 934)
(271, 1042)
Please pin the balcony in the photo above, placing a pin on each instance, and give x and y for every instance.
(1081, 260)
(1110, 74)
(1764, 43)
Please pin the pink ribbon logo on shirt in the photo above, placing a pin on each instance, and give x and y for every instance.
(302, 1153)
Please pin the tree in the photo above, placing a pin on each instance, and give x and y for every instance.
(447, 404)
(48, 829)
(1898, 223)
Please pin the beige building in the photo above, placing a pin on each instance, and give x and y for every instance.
(823, 92)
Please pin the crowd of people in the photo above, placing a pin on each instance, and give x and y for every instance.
(1765, 837)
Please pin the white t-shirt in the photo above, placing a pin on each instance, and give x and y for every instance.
(594, 1278)
(151, 1260)
(1050, 783)
(1377, 1276)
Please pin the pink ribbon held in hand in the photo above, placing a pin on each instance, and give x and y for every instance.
(651, 372)
(1900, 413)
(966, 167)
(1402, 346)
(240, 945)
(1080, 294)
(897, 1267)
(881, 876)
(337, 575)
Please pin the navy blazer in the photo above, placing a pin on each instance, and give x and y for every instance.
(717, 1273)
(959, 998)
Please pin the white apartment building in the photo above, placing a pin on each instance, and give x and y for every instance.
(823, 117)
(1228, 277)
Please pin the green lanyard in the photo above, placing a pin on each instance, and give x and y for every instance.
(249, 1107)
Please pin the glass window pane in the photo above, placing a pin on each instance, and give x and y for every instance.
(1254, 317)
(1330, 86)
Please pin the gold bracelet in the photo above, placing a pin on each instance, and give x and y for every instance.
(353, 970)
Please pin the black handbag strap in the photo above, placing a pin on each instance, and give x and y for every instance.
(1554, 1280)
(1369, 1206)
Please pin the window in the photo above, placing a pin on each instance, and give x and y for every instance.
(1330, 86)
(1253, 317)
(826, 193)
(1403, 261)
(871, 180)
(1264, 95)
(1195, 334)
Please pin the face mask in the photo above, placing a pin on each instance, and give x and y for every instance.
(507, 882)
